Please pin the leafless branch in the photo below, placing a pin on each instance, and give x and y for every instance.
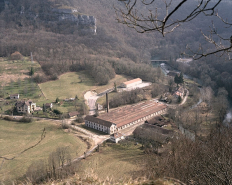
(153, 22)
(12, 158)
(162, 20)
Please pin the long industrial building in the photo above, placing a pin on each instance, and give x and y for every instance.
(124, 117)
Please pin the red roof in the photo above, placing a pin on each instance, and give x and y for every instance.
(132, 81)
(127, 114)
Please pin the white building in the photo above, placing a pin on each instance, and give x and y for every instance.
(14, 96)
(99, 124)
(25, 106)
(125, 117)
(116, 137)
(131, 83)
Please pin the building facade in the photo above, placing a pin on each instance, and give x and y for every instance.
(125, 117)
(116, 137)
(14, 96)
(25, 106)
(99, 124)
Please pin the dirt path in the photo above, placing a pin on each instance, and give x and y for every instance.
(91, 98)
(185, 98)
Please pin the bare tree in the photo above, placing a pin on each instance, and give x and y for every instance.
(161, 16)
(206, 94)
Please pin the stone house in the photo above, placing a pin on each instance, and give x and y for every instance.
(25, 106)
(48, 106)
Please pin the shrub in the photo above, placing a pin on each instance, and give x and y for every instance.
(64, 126)
(8, 118)
(26, 119)
(16, 56)
(80, 119)
(39, 79)
(56, 111)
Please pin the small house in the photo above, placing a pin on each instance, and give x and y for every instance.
(179, 92)
(73, 114)
(14, 96)
(116, 137)
(48, 106)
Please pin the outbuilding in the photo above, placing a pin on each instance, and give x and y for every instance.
(14, 96)
(116, 137)
(131, 83)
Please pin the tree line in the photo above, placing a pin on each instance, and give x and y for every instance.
(203, 161)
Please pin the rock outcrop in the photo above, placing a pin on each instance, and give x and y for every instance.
(46, 13)
(84, 22)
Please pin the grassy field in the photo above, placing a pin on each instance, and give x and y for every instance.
(12, 70)
(67, 86)
(74, 84)
(15, 79)
(15, 137)
(115, 161)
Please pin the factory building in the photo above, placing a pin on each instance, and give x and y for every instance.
(121, 118)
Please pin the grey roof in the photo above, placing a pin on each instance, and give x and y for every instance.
(14, 95)
(22, 103)
(99, 121)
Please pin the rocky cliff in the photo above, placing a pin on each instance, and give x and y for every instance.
(48, 13)
(84, 22)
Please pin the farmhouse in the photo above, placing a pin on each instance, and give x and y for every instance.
(25, 106)
(131, 83)
(179, 92)
(125, 117)
(48, 106)
(73, 114)
(14, 96)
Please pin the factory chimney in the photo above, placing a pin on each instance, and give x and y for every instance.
(107, 103)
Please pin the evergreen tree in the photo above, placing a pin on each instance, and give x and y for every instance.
(57, 100)
(115, 87)
(181, 79)
(179, 99)
(32, 71)
(178, 79)
(44, 108)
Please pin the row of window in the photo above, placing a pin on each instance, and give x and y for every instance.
(104, 129)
